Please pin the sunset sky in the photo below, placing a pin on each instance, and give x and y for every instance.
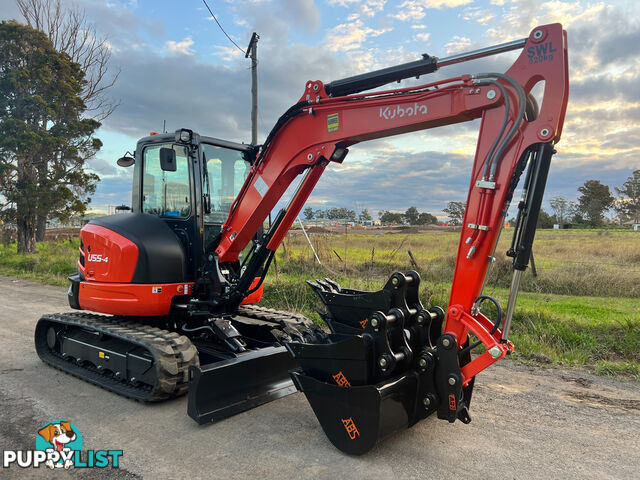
(176, 65)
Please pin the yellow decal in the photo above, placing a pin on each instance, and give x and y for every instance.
(333, 122)
(101, 354)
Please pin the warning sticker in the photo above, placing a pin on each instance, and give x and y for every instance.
(333, 122)
(156, 289)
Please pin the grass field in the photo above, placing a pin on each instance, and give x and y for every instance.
(582, 309)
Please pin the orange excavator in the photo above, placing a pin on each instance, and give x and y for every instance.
(174, 286)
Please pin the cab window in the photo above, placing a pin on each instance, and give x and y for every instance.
(166, 194)
(226, 171)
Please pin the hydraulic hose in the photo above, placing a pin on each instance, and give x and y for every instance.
(477, 302)
(522, 101)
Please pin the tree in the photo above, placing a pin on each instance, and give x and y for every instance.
(308, 213)
(71, 33)
(426, 219)
(628, 206)
(544, 220)
(411, 215)
(44, 140)
(391, 218)
(364, 216)
(596, 198)
(319, 214)
(561, 208)
(455, 211)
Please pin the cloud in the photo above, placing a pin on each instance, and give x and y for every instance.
(444, 176)
(457, 44)
(371, 7)
(481, 16)
(228, 53)
(344, 3)
(423, 37)
(445, 3)
(412, 10)
(183, 47)
(350, 36)
(302, 13)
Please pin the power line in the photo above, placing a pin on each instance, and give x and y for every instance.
(227, 35)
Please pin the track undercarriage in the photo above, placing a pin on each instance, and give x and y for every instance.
(151, 361)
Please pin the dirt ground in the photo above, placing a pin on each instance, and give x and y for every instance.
(528, 422)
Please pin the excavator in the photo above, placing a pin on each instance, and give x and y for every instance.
(169, 293)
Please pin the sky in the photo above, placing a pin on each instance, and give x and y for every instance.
(177, 66)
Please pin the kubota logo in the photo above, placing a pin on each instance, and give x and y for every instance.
(350, 427)
(389, 113)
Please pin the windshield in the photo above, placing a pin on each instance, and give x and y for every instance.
(226, 171)
(166, 194)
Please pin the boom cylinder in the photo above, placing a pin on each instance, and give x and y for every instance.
(428, 64)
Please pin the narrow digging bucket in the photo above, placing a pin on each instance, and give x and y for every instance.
(349, 310)
(356, 418)
(341, 360)
(222, 389)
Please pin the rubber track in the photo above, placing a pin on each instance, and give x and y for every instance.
(172, 354)
(296, 326)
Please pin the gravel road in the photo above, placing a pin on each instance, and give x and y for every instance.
(527, 423)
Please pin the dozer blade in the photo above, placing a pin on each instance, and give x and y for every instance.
(222, 389)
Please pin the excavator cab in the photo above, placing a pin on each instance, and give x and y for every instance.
(189, 181)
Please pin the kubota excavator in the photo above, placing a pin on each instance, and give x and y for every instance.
(180, 277)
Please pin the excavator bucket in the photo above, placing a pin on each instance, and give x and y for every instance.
(225, 388)
(348, 311)
(396, 369)
(356, 418)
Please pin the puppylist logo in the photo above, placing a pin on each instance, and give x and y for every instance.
(59, 446)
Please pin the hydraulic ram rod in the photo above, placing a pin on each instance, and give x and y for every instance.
(482, 52)
(428, 64)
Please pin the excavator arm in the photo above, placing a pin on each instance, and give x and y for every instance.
(320, 128)
(515, 133)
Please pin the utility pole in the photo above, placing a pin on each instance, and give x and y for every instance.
(252, 50)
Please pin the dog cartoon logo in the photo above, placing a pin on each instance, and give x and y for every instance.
(59, 440)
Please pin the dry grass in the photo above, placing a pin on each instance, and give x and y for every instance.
(571, 262)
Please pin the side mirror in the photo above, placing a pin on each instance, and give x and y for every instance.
(168, 160)
(125, 161)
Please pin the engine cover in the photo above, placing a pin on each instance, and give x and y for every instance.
(129, 265)
(135, 248)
